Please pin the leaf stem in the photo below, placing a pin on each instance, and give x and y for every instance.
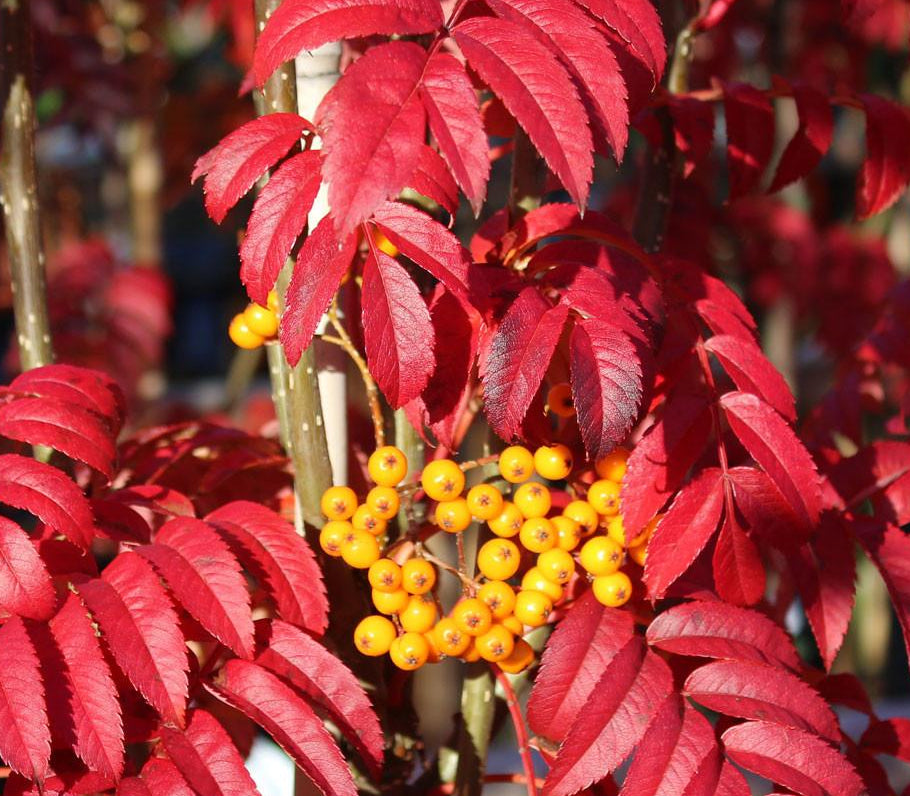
(521, 731)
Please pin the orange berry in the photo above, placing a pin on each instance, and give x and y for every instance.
(535, 580)
(498, 559)
(419, 615)
(538, 534)
(332, 536)
(532, 607)
(553, 462)
(409, 651)
(390, 602)
(241, 335)
(418, 576)
(374, 635)
(385, 575)
(473, 616)
(383, 502)
(450, 638)
(600, 555)
(365, 520)
(603, 495)
(613, 465)
(521, 658)
(261, 320)
(485, 501)
(532, 499)
(612, 590)
(516, 464)
(272, 301)
(387, 466)
(568, 532)
(647, 531)
(360, 550)
(616, 531)
(512, 624)
(639, 553)
(499, 597)
(509, 521)
(470, 655)
(559, 400)
(556, 565)
(584, 514)
(442, 480)
(453, 516)
(496, 644)
(338, 502)
(384, 244)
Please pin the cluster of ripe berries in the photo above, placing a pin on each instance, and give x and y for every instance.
(256, 324)
(489, 622)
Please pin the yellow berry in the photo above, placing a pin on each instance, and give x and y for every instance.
(532, 499)
(512, 624)
(470, 655)
(616, 531)
(499, 597)
(418, 576)
(332, 536)
(584, 514)
(383, 502)
(387, 466)
(553, 462)
(600, 555)
(365, 520)
(521, 658)
(532, 607)
(473, 616)
(516, 464)
(272, 301)
(496, 644)
(538, 534)
(450, 639)
(374, 635)
(613, 465)
(261, 320)
(509, 521)
(485, 501)
(612, 590)
(419, 615)
(409, 651)
(556, 565)
(442, 480)
(338, 502)
(453, 516)
(385, 575)
(390, 602)
(568, 532)
(639, 553)
(535, 580)
(603, 495)
(435, 654)
(498, 559)
(241, 334)
(360, 550)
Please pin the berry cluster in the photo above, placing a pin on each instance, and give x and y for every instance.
(523, 570)
(256, 324)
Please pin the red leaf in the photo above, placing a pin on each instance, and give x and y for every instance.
(753, 372)
(320, 267)
(518, 358)
(772, 443)
(732, 782)
(811, 140)
(629, 693)
(794, 758)
(750, 690)
(682, 533)
(675, 756)
(278, 218)
(298, 25)
(454, 118)
(76, 432)
(825, 573)
(162, 778)
(693, 124)
(397, 330)
(372, 125)
(739, 575)
(280, 559)
(142, 632)
(154, 498)
(889, 549)
(846, 689)
(571, 35)
(323, 678)
(427, 242)
(880, 472)
(750, 136)
(718, 630)
(432, 179)
(886, 169)
(205, 579)
(766, 511)
(25, 585)
(888, 737)
(606, 384)
(663, 457)
(584, 643)
(289, 720)
(244, 156)
(25, 736)
(637, 24)
(537, 91)
(207, 758)
(92, 706)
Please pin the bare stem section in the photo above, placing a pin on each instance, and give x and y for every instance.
(19, 186)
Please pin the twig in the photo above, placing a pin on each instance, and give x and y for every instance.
(467, 583)
(521, 732)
